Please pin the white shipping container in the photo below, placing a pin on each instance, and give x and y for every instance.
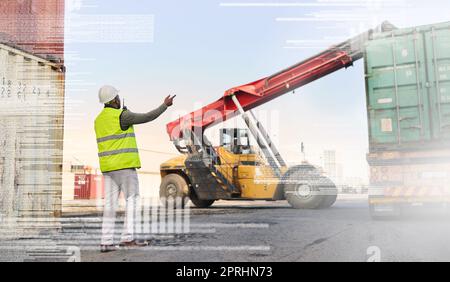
(31, 135)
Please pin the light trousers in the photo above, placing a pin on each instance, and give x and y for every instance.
(125, 181)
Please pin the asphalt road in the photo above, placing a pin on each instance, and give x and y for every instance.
(261, 231)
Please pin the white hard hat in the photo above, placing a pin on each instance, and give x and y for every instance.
(107, 93)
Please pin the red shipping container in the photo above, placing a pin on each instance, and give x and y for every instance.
(97, 190)
(88, 187)
(36, 26)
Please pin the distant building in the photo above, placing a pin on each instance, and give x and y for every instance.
(329, 163)
(331, 167)
(354, 185)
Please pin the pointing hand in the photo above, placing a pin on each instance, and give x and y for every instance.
(169, 100)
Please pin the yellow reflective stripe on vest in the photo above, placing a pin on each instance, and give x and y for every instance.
(116, 152)
(117, 144)
(115, 137)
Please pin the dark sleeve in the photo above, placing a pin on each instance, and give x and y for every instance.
(128, 118)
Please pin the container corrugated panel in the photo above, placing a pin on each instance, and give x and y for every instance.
(35, 25)
(31, 143)
(408, 88)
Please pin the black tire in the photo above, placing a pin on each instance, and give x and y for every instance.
(308, 189)
(203, 204)
(330, 198)
(174, 191)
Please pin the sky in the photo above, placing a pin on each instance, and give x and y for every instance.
(197, 49)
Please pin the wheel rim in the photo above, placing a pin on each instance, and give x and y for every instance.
(303, 191)
(171, 190)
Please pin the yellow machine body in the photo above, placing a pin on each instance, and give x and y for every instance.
(248, 172)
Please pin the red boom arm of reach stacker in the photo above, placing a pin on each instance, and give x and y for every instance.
(264, 90)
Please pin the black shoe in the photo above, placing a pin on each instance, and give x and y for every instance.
(107, 248)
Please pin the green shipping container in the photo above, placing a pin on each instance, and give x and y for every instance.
(408, 88)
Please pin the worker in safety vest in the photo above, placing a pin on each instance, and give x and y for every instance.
(119, 159)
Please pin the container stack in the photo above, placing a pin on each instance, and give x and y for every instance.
(31, 112)
(408, 100)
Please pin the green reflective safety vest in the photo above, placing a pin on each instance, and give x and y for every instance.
(117, 149)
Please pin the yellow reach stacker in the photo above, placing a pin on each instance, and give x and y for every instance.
(237, 171)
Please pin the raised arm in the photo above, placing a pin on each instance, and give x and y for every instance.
(129, 118)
